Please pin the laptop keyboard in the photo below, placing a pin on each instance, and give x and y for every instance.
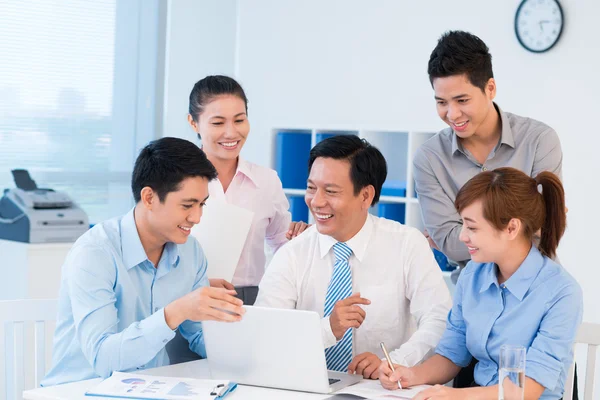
(332, 381)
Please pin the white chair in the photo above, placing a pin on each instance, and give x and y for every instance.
(13, 316)
(588, 334)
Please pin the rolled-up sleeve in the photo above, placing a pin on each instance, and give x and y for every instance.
(192, 330)
(552, 347)
(453, 344)
(92, 276)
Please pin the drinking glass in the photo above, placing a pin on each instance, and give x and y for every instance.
(511, 382)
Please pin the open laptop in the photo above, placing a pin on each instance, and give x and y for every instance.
(273, 348)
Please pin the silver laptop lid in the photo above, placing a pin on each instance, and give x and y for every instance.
(269, 347)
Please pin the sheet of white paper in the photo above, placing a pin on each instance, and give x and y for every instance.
(372, 389)
(138, 386)
(222, 232)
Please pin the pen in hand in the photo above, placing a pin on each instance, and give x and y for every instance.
(389, 361)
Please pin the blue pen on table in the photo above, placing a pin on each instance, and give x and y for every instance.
(224, 390)
(389, 361)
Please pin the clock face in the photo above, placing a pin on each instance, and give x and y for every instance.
(538, 24)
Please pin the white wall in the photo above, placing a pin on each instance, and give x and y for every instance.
(356, 63)
(200, 41)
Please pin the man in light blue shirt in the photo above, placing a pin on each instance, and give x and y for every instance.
(130, 282)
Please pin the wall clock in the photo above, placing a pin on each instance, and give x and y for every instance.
(539, 24)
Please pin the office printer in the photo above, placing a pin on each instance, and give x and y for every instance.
(32, 215)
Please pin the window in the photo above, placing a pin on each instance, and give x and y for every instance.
(63, 114)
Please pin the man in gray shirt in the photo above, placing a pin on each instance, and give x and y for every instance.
(480, 137)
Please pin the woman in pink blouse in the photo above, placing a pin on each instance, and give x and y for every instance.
(218, 113)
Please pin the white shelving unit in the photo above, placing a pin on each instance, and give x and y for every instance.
(398, 148)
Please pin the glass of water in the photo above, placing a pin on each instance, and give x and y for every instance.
(511, 382)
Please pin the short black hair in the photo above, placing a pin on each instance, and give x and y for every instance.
(367, 164)
(458, 53)
(206, 89)
(164, 163)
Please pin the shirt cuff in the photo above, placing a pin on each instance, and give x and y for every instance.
(461, 359)
(161, 334)
(403, 357)
(452, 345)
(329, 338)
(396, 359)
(542, 368)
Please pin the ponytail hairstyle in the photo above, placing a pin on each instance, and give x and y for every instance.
(554, 224)
(508, 193)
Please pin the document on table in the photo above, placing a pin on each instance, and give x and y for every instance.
(372, 390)
(222, 233)
(137, 386)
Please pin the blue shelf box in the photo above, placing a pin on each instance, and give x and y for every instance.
(298, 208)
(291, 158)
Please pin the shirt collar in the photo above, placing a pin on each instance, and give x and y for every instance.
(520, 282)
(132, 248)
(456, 144)
(172, 254)
(488, 276)
(506, 134)
(358, 243)
(245, 168)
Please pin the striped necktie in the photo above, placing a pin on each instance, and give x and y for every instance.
(340, 287)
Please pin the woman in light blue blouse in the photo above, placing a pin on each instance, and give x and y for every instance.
(511, 292)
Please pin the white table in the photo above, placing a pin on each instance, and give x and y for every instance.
(193, 369)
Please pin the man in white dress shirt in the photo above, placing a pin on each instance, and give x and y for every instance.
(371, 279)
